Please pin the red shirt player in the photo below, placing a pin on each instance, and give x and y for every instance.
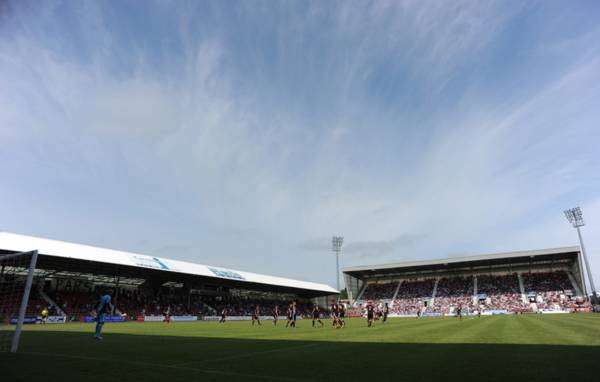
(370, 313)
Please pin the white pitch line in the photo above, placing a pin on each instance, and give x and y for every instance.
(237, 356)
(175, 367)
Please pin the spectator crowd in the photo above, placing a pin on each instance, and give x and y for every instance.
(542, 290)
(551, 290)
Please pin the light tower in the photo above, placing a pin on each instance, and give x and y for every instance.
(336, 246)
(575, 217)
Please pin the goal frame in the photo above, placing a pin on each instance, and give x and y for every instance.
(25, 299)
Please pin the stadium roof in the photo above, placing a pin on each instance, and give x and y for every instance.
(135, 262)
(550, 254)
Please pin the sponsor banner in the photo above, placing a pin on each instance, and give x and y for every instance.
(226, 273)
(229, 318)
(106, 319)
(56, 320)
(495, 311)
(400, 315)
(549, 311)
(150, 262)
(433, 314)
(522, 310)
(184, 318)
(27, 320)
(153, 318)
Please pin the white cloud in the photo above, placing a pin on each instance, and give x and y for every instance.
(220, 155)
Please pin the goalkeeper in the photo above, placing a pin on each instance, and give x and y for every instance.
(103, 307)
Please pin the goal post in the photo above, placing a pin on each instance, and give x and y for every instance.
(16, 279)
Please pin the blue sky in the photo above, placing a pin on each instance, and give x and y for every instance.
(245, 134)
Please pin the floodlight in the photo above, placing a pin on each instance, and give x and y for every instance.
(336, 243)
(575, 217)
(336, 246)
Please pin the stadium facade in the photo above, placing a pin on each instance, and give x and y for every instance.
(69, 274)
(511, 281)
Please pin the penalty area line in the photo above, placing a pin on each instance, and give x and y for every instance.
(159, 365)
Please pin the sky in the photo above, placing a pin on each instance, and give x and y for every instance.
(246, 134)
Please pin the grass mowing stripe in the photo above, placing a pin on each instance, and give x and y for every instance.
(481, 329)
(158, 365)
(252, 354)
(589, 321)
(562, 333)
(438, 330)
(530, 332)
(464, 329)
(512, 347)
(409, 330)
(535, 330)
(574, 330)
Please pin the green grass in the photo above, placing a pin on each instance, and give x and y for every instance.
(493, 348)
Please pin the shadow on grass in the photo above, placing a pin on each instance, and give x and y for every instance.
(67, 356)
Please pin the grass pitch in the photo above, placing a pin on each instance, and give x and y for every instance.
(492, 348)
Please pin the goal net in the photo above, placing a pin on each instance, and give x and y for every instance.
(16, 279)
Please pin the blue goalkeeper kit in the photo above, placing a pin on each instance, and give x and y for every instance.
(102, 309)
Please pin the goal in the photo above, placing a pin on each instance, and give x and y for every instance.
(16, 278)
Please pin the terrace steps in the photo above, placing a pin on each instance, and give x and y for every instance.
(50, 302)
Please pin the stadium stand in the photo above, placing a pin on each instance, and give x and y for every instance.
(380, 292)
(238, 306)
(495, 292)
(70, 277)
(452, 293)
(9, 307)
(553, 290)
(412, 296)
(499, 292)
(515, 282)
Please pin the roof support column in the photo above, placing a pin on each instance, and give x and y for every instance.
(118, 279)
(189, 298)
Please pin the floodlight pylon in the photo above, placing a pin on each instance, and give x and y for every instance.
(575, 217)
(336, 246)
